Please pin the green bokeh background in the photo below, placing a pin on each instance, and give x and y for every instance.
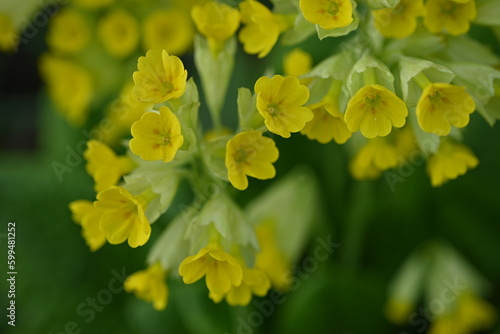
(375, 227)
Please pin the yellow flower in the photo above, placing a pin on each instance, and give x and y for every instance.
(254, 282)
(85, 214)
(149, 285)
(221, 270)
(374, 110)
(68, 33)
(372, 159)
(157, 136)
(450, 161)
(123, 216)
(443, 105)
(118, 31)
(170, 30)
(8, 35)
(262, 28)
(271, 259)
(104, 165)
(328, 14)
(449, 15)
(160, 77)
(216, 21)
(280, 101)
(297, 63)
(401, 21)
(69, 86)
(328, 123)
(252, 154)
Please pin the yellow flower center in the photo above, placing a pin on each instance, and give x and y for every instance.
(373, 100)
(274, 110)
(448, 8)
(243, 155)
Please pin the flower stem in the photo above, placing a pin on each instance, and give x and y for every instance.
(422, 80)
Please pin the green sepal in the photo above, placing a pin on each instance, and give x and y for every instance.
(337, 32)
(214, 155)
(248, 115)
(381, 74)
(466, 49)
(488, 12)
(380, 4)
(421, 44)
(300, 31)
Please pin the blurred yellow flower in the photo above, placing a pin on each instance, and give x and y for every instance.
(328, 14)
(104, 165)
(149, 285)
(376, 156)
(280, 101)
(85, 214)
(8, 35)
(328, 123)
(296, 63)
(252, 154)
(401, 21)
(123, 216)
(262, 28)
(157, 136)
(118, 31)
(216, 21)
(450, 15)
(443, 105)
(221, 270)
(449, 162)
(68, 32)
(161, 77)
(170, 30)
(374, 110)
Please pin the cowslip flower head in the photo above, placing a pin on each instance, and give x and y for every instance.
(161, 77)
(401, 21)
(123, 217)
(328, 124)
(104, 165)
(449, 162)
(252, 154)
(149, 285)
(450, 15)
(118, 32)
(328, 14)
(216, 21)
(262, 28)
(372, 159)
(85, 214)
(374, 110)
(280, 101)
(157, 136)
(221, 270)
(443, 105)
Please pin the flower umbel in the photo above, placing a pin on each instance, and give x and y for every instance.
(374, 110)
(328, 14)
(161, 77)
(157, 136)
(280, 101)
(149, 285)
(252, 154)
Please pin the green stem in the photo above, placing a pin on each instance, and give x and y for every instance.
(422, 80)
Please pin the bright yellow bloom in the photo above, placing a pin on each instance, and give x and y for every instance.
(443, 105)
(262, 28)
(450, 161)
(160, 77)
(123, 217)
(449, 15)
(85, 214)
(69, 86)
(252, 154)
(92, 4)
(328, 123)
(374, 110)
(118, 31)
(157, 136)
(104, 165)
(401, 21)
(149, 285)
(372, 159)
(170, 30)
(216, 21)
(254, 282)
(271, 259)
(280, 101)
(8, 35)
(328, 14)
(221, 270)
(68, 33)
